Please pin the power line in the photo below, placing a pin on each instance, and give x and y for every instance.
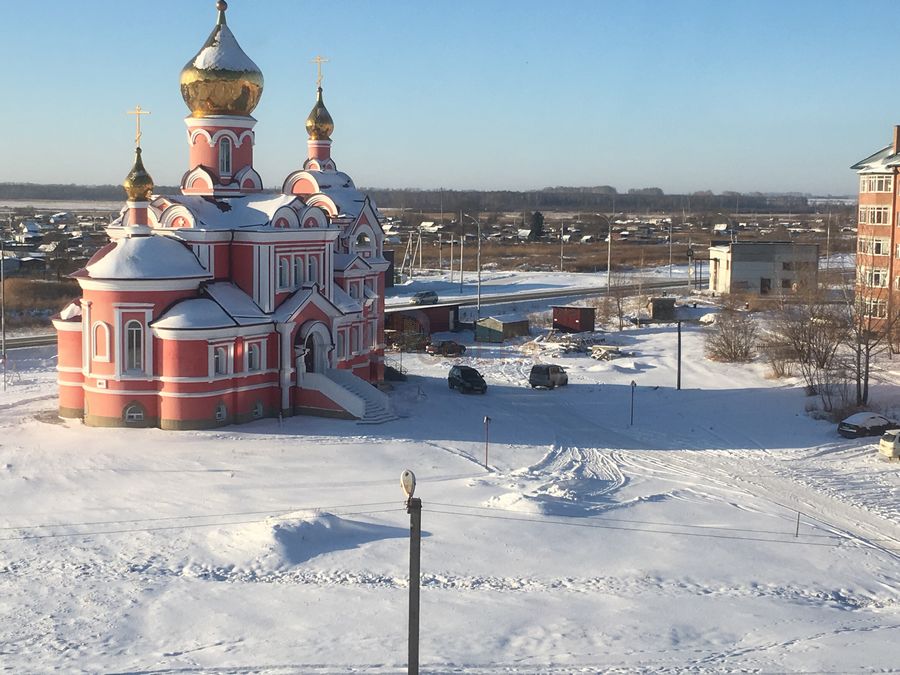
(190, 517)
(651, 522)
(56, 535)
(652, 531)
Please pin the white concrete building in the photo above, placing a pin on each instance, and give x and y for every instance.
(762, 267)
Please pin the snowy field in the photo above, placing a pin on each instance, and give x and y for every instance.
(588, 544)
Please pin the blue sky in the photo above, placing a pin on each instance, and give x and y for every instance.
(493, 94)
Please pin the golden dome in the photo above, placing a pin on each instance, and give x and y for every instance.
(319, 124)
(138, 184)
(221, 79)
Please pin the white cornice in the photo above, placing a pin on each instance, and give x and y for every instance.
(232, 121)
(188, 283)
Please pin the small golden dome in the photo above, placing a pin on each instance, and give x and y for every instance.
(221, 79)
(138, 184)
(319, 124)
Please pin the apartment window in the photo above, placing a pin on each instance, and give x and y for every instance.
(254, 362)
(875, 277)
(876, 308)
(881, 246)
(225, 157)
(134, 347)
(876, 183)
(874, 215)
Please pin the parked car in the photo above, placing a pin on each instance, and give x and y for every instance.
(466, 379)
(889, 445)
(445, 348)
(865, 424)
(424, 298)
(547, 375)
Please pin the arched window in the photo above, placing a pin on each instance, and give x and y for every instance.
(133, 414)
(220, 361)
(313, 267)
(253, 354)
(257, 410)
(363, 242)
(134, 347)
(221, 412)
(284, 273)
(225, 157)
(101, 342)
(340, 345)
(354, 340)
(299, 269)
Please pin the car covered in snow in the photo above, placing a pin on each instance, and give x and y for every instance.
(445, 348)
(466, 379)
(865, 424)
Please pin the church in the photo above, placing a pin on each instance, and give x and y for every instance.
(228, 303)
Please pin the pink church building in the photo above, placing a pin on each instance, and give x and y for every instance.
(226, 303)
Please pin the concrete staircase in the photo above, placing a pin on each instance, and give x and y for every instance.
(377, 404)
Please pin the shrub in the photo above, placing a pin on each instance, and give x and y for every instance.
(733, 337)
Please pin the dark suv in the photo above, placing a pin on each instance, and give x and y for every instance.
(466, 379)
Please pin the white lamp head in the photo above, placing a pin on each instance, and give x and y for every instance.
(408, 483)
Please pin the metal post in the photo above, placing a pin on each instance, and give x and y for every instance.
(562, 231)
(487, 431)
(608, 255)
(678, 380)
(462, 245)
(633, 385)
(414, 509)
(451, 258)
(797, 531)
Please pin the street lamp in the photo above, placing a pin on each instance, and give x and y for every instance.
(477, 263)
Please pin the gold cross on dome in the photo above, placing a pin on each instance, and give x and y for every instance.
(319, 60)
(137, 112)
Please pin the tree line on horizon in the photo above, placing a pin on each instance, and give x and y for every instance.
(601, 199)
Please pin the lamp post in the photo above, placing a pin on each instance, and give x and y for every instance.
(414, 509)
(477, 263)
(633, 385)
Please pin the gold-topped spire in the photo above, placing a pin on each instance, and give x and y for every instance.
(319, 60)
(138, 183)
(137, 112)
(221, 79)
(319, 124)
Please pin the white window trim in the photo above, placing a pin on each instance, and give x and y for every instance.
(226, 158)
(229, 360)
(285, 284)
(262, 356)
(119, 310)
(100, 358)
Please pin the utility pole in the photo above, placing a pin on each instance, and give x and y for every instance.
(633, 385)
(609, 253)
(440, 252)
(678, 379)
(562, 232)
(487, 432)
(462, 246)
(451, 258)
(414, 509)
(3, 299)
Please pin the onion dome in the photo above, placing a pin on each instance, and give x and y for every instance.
(138, 184)
(319, 124)
(221, 79)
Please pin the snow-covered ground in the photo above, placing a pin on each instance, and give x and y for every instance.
(588, 544)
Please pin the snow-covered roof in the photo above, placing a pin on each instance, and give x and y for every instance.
(339, 187)
(292, 304)
(224, 54)
(237, 304)
(146, 257)
(193, 314)
(343, 261)
(881, 162)
(234, 213)
(343, 301)
(509, 318)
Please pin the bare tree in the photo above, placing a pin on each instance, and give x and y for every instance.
(732, 338)
(869, 329)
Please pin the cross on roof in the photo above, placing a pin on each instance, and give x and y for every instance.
(319, 60)
(137, 112)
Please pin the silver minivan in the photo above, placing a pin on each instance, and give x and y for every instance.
(547, 375)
